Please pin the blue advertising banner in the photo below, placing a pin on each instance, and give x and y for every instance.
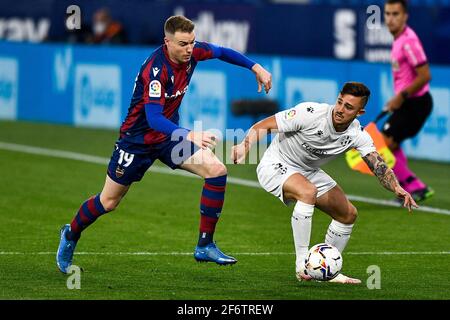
(92, 86)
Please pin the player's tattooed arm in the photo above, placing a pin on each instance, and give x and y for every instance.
(380, 169)
(388, 179)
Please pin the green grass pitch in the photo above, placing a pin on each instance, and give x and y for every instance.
(160, 215)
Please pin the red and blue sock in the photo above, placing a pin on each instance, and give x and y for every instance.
(211, 204)
(89, 211)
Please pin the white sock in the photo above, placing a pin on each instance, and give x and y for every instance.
(301, 222)
(338, 234)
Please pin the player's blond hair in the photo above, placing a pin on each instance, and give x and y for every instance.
(178, 23)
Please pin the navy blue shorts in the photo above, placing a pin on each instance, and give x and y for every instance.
(126, 167)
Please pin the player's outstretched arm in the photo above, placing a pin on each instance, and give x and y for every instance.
(388, 179)
(255, 133)
(263, 78)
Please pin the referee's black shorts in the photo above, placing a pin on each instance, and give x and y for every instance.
(407, 121)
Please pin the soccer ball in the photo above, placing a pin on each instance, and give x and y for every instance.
(323, 262)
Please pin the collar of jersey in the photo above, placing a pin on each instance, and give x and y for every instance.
(402, 33)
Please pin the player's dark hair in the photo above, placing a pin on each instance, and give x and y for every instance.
(178, 23)
(356, 89)
(404, 3)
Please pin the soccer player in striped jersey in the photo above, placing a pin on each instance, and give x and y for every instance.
(151, 131)
(310, 135)
(412, 103)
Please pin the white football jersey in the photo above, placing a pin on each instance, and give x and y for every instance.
(307, 137)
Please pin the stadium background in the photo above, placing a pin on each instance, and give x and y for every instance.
(52, 88)
(311, 49)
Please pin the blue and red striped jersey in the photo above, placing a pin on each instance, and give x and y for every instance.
(160, 81)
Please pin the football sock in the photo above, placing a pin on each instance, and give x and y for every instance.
(211, 204)
(301, 222)
(415, 184)
(405, 176)
(338, 234)
(89, 211)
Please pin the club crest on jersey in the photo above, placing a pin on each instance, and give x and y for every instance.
(280, 167)
(119, 172)
(154, 89)
(288, 115)
(345, 141)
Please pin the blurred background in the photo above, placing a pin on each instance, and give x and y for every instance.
(57, 69)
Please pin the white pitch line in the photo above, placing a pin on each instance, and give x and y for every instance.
(383, 253)
(238, 181)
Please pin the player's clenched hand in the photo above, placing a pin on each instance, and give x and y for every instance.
(238, 153)
(408, 201)
(263, 78)
(203, 139)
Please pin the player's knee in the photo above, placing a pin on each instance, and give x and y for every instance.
(351, 216)
(216, 170)
(109, 204)
(308, 194)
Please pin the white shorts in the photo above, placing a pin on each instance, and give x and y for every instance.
(273, 173)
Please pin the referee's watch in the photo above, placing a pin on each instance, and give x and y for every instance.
(404, 94)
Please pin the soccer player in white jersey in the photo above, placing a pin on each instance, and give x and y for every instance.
(310, 135)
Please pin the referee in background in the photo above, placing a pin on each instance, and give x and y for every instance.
(412, 103)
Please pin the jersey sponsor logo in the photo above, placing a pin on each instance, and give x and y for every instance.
(312, 150)
(154, 90)
(172, 78)
(320, 133)
(310, 109)
(290, 114)
(155, 71)
(177, 94)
